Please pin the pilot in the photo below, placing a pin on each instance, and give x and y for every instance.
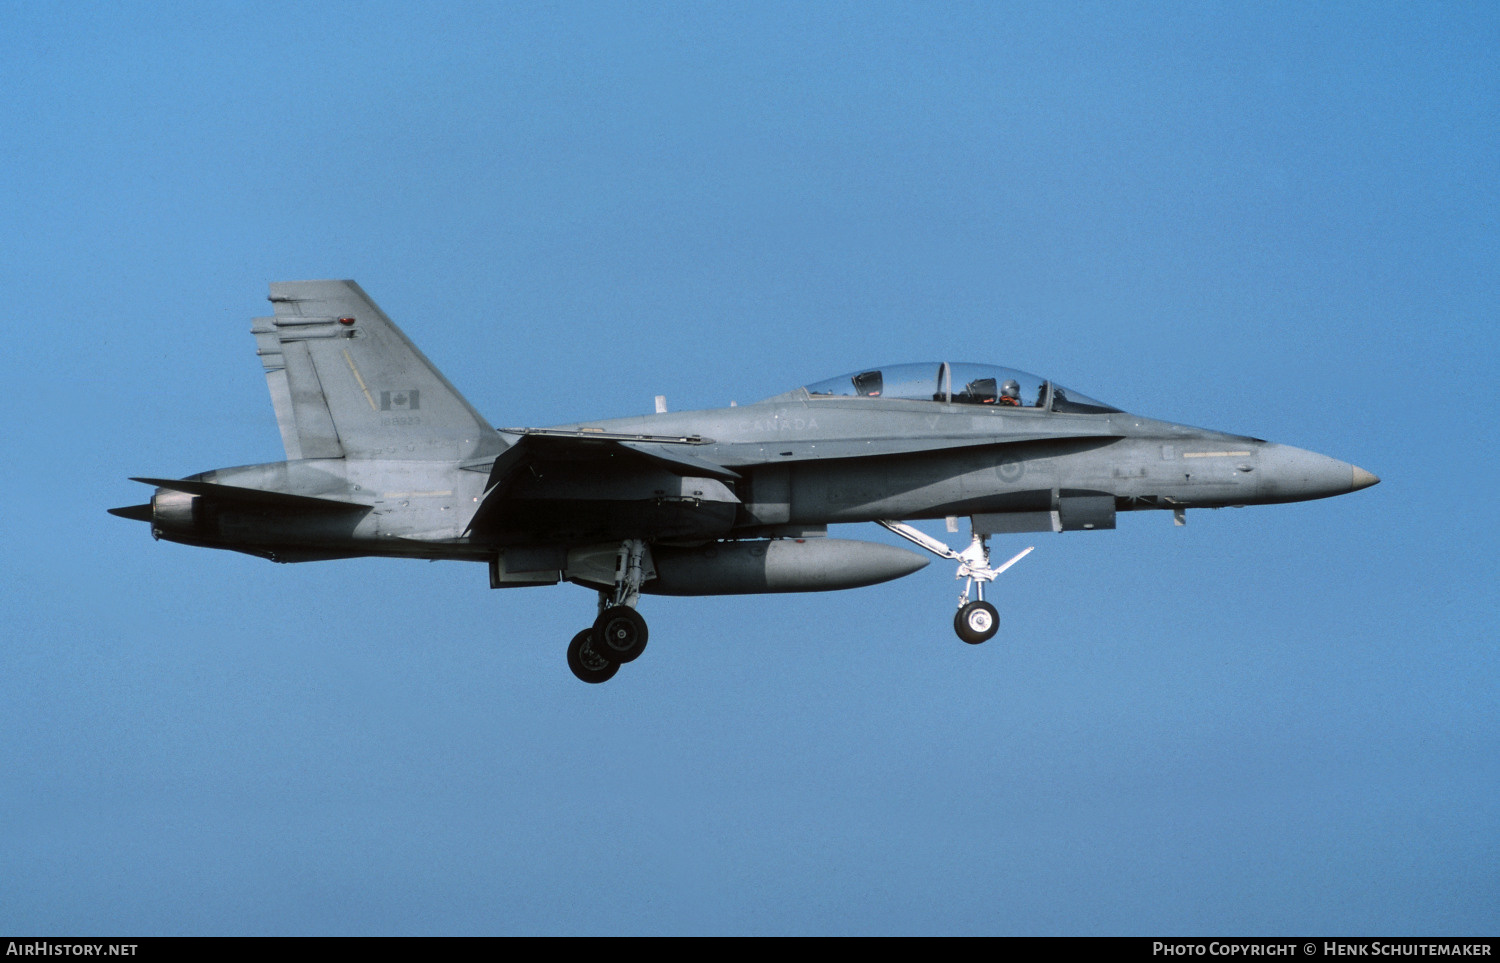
(1010, 394)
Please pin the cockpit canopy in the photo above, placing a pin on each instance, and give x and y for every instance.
(959, 383)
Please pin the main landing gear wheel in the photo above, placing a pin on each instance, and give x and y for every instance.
(976, 622)
(619, 634)
(587, 664)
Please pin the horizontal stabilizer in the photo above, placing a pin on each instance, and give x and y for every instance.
(139, 513)
(252, 496)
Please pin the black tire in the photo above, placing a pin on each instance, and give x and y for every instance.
(587, 664)
(620, 634)
(976, 622)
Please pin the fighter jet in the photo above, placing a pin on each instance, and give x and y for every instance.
(385, 458)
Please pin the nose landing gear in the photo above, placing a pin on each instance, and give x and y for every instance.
(975, 621)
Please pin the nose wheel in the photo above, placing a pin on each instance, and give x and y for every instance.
(975, 621)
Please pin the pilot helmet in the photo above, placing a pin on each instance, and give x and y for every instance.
(1011, 389)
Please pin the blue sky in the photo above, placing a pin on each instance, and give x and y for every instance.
(1275, 219)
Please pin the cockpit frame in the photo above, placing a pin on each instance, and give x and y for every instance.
(981, 384)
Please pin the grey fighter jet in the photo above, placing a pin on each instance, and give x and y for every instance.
(385, 457)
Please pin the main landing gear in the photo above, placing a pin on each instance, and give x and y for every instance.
(975, 621)
(619, 633)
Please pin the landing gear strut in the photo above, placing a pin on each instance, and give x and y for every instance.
(619, 633)
(975, 621)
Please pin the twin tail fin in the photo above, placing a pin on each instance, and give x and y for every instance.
(347, 383)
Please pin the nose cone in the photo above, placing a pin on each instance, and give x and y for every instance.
(1293, 474)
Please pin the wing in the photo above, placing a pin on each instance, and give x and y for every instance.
(565, 487)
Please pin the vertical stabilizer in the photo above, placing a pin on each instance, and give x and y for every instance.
(345, 382)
